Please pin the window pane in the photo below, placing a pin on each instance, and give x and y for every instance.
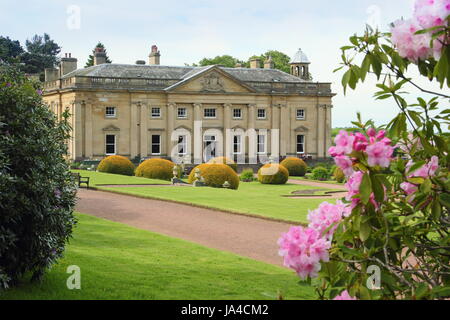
(110, 139)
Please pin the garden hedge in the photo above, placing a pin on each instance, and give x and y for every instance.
(156, 169)
(273, 174)
(224, 160)
(215, 175)
(116, 165)
(320, 173)
(339, 175)
(296, 167)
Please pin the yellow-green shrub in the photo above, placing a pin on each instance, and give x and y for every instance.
(339, 175)
(273, 174)
(215, 175)
(224, 160)
(296, 167)
(116, 165)
(156, 169)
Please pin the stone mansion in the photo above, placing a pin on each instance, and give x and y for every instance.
(148, 110)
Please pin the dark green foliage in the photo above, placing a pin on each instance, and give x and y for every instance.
(10, 50)
(280, 59)
(247, 175)
(90, 61)
(225, 60)
(320, 173)
(37, 191)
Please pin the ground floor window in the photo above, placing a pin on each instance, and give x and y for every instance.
(300, 144)
(156, 144)
(182, 145)
(261, 144)
(110, 144)
(237, 144)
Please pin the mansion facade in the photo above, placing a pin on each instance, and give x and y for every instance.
(195, 113)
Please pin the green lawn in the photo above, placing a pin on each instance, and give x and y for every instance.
(97, 178)
(121, 262)
(251, 198)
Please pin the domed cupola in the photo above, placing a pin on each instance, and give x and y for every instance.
(300, 65)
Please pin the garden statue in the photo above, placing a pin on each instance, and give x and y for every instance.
(199, 181)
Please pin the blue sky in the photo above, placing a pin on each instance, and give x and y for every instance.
(186, 31)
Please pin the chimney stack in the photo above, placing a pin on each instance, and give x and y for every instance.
(268, 64)
(51, 74)
(68, 64)
(255, 63)
(99, 56)
(154, 57)
(140, 62)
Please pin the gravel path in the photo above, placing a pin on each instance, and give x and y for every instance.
(246, 236)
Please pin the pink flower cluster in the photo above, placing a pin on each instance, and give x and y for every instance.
(344, 296)
(427, 170)
(303, 249)
(377, 147)
(328, 215)
(427, 14)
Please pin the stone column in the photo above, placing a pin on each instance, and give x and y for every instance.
(320, 131)
(133, 130)
(144, 150)
(285, 137)
(77, 125)
(170, 126)
(251, 130)
(228, 142)
(275, 132)
(198, 134)
(88, 130)
(328, 125)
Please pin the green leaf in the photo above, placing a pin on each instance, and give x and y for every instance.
(364, 229)
(377, 187)
(444, 198)
(365, 189)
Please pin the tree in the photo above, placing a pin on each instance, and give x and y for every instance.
(10, 50)
(41, 53)
(37, 190)
(90, 61)
(280, 59)
(389, 238)
(225, 60)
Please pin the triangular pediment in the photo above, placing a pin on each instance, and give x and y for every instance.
(301, 129)
(111, 128)
(211, 80)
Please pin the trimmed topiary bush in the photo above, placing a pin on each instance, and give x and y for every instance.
(215, 175)
(273, 174)
(116, 165)
(224, 160)
(296, 167)
(156, 169)
(37, 190)
(320, 173)
(339, 175)
(247, 175)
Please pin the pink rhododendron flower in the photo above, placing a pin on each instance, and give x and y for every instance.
(352, 185)
(303, 249)
(327, 215)
(344, 296)
(409, 188)
(409, 45)
(345, 163)
(431, 13)
(427, 170)
(360, 143)
(344, 143)
(379, 154)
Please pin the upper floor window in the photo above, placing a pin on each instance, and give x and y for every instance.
(237, 113)
(110, 112)
(156, 112)
(300, 114)
(182, 113)
(209, 113)
(261, 114)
